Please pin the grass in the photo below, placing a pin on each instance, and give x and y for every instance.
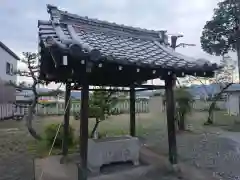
(118, 125)
(146, 124)
(40, 149)
(114, 126)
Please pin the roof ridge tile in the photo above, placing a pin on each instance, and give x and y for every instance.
(102, 23)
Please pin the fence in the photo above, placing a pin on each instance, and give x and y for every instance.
(202, 105)
(142, 106)
(6, 111)
(199, 105)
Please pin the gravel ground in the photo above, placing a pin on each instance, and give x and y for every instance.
(15, 162)
(212, 153)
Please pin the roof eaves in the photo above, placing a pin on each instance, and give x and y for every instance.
(3, 46)
(232, 90)
(198, 62)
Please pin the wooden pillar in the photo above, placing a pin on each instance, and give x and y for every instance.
(132, 112)
(84, 129)
(66, 120)
(170, 107)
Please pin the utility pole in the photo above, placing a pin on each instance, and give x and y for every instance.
(236, 13)
(174, 45)
(238, 44)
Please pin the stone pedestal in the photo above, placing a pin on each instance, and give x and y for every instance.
(112, 149)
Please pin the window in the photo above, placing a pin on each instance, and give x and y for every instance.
(9, 68)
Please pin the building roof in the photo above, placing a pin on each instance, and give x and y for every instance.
(233, 88)
(3, 46)
(118, 43)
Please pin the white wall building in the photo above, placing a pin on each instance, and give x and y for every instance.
(8, 65)
(233, 99)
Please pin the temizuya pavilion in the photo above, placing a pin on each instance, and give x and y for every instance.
(84, 51)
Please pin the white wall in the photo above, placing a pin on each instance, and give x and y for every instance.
(7, 93)
(233, 103)
(4, 58)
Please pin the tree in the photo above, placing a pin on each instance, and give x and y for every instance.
(31, 60)
(222, 33)
(223, 79)
(183, 105)
(101, 105)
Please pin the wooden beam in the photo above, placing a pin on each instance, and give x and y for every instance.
(66, 120)
(142, 89)
(119, 89)
(149, 87)
(170, 106)
(101, 89)
(84, 129)
(132, 112)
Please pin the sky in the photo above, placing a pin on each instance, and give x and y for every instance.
(18, 19)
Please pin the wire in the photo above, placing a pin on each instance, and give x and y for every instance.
(54, 140)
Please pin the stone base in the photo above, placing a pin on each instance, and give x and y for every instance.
(112, 149)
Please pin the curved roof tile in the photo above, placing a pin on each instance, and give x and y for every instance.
(118, 42)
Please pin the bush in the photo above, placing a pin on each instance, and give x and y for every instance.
(157, 94)
(50, 133)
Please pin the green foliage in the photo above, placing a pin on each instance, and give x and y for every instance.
(184, 100)
(50, 133)
(101, 104)
(219, 34)
(183, 106)
(157, 94)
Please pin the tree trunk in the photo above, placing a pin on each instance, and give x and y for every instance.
(181, 122)
(95, 128)
(177, 120)
(212, 106)
(31, 110)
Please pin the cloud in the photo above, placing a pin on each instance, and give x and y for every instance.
(19, 18)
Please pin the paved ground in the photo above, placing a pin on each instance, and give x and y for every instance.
(55, 171)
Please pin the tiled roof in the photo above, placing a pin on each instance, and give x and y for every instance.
(117, 42)
(9, 51)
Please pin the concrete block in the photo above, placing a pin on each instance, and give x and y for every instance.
(112, 149)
